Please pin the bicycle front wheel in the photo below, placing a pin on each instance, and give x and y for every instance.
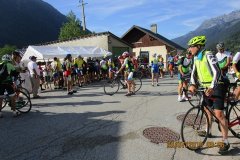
(24, 90)
(195, 121)
(111, 87)
(23, 102)
(138, 84)
(193, 99)
(234, 120)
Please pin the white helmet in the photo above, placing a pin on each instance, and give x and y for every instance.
(7, 58)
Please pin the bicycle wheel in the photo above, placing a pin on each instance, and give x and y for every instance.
(138, 83)
(193, 99)
(138, 74)
(23, 102)
(111, 87)
(194, 122)
(4, 102)
(234, 120)
(24, 90)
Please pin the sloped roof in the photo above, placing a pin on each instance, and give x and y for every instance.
(87, 36)
(157, 36)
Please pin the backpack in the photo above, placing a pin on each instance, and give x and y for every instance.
(3, 72)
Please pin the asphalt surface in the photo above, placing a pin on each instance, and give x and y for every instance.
(90, 125)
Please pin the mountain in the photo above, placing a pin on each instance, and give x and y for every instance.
(222, 28)
(25, 22)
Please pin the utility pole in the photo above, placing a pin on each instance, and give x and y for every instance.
(83, 15)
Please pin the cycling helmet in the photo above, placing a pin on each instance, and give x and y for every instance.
(198, 40)
(7, 58)
(125, 54)
(159, 55)
(154, 55)
(220, 45)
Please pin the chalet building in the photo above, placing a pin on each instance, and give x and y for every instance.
(147, 42)
(105, 40)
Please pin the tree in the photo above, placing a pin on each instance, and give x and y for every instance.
(7, 49)
(72, 28)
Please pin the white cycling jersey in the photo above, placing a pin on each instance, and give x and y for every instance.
(221, 56)
(236, 58)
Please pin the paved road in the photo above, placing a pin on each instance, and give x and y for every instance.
(92, 126)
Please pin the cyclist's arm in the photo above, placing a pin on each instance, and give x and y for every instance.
(236, 58)
(212, 60)
(227, 64)
(193, 80)
(180, 69)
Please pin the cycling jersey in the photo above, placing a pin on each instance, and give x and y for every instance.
(79, 63)
(103, 64)
(128, 65)
(222, 58)
(154, 65)
(10, 73)
(206, 69)
(185, 64)
(236, 60)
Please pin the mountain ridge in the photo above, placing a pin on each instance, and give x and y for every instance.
(221, 28)
(26, 22)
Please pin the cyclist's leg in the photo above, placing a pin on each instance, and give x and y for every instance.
(237, 93)
(152, 72)
(218, 105)
(2, 89)
(12, 96)
(180, 86)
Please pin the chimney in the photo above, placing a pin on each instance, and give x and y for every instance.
(154, 28)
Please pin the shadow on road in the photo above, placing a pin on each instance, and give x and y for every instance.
(46, 135)
(76, 104)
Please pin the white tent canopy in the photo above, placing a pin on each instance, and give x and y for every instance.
(49, 52)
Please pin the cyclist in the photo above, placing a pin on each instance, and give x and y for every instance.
(206, 71)
(170, 64)
(129, 69)
(79, 66)
(67, 74)
(161, 65)
(111, 67)
(223, 58)
(184, 65)
(8, 71)
(154, 68)
(236, 68)
(104, 68)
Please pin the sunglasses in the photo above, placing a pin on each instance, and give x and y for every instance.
(192, 46)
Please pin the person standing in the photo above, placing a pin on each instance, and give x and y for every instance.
(154, 68)
(223, 58)
(68, 72)
(170, 65)
(34, 75)
(184, 66)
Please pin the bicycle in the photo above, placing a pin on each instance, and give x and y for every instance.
(193, 98)
(195, 120)
(112, 86)
(20, 88)
(23, 102)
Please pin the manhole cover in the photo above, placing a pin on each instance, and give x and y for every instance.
(160, 135)
(192, 118)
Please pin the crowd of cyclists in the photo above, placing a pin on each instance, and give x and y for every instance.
(196, 68)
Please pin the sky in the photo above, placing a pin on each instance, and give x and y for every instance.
(174, 18)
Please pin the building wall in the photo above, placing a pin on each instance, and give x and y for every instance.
(153, 49)
(99, 41)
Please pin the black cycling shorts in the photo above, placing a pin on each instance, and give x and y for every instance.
(218, 97)
(8, 88)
